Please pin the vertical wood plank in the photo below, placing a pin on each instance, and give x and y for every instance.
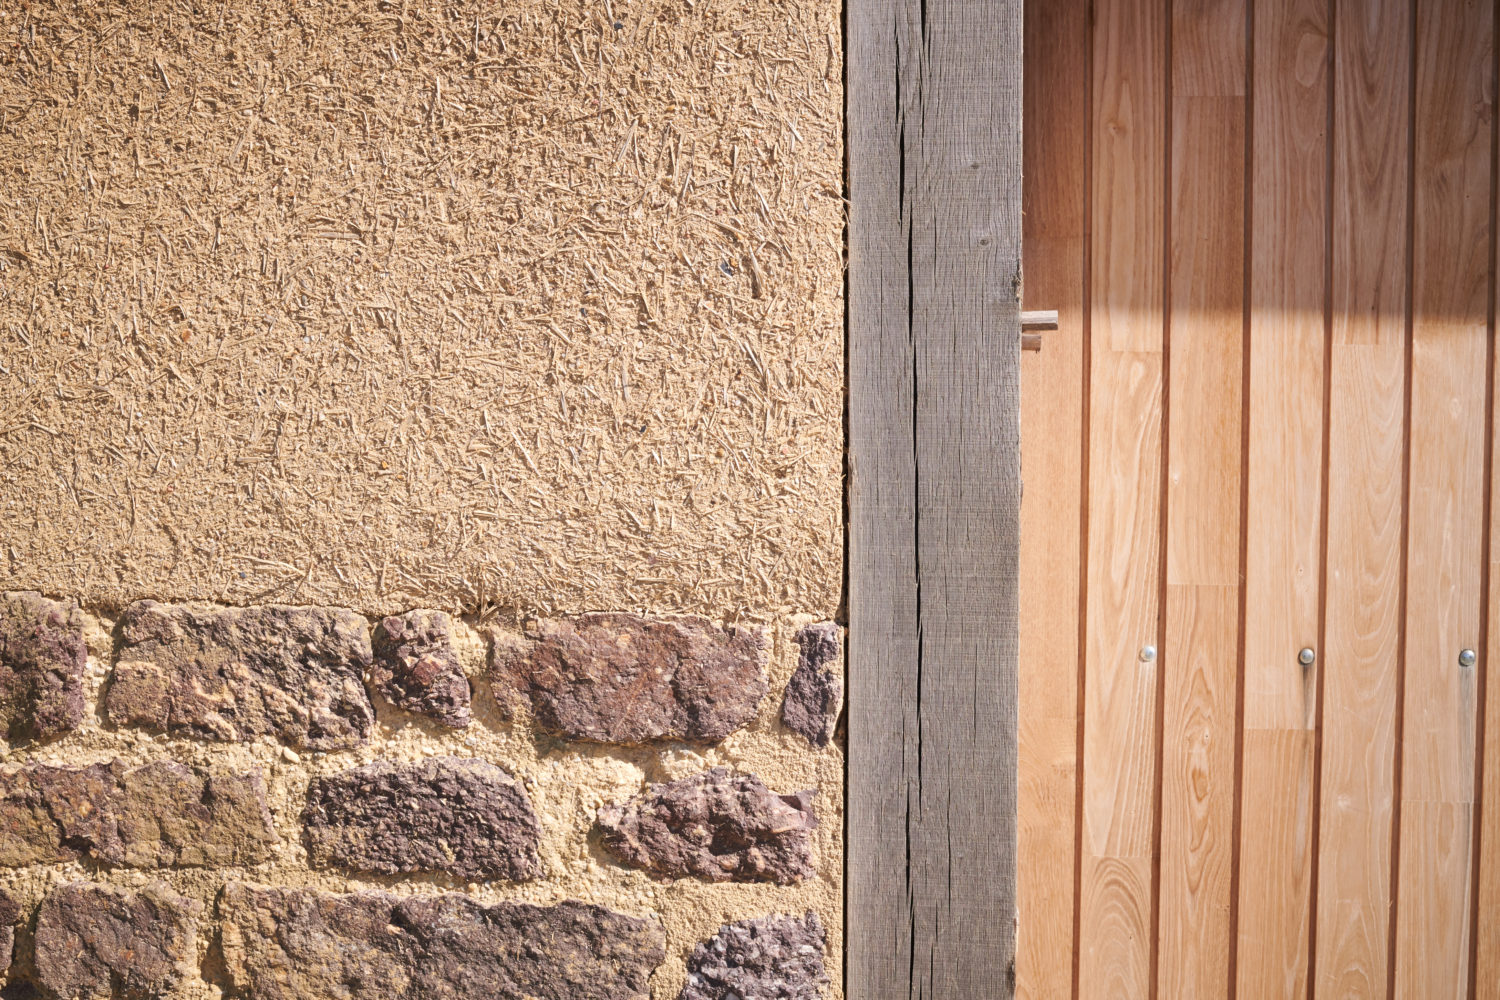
(1372, 67)
(1288, 256)
(1450, 308)
(1198, 789)
(1206, 337)
(1454, 79)
(934, 156)
(1051, 442)
(1486, 929)
(1126, 314)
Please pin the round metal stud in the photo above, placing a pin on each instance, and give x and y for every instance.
(1148, 653)
(1306, 656)
(1467, 658)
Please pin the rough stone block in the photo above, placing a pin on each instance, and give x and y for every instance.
(619, 678)
(717, 826)
(10, 915)
(467, 817)
(159, 814)
(238, 673)
(291, 944)
(417, 669)
(772, 958)
(42, 658)
(96, 942)
(815, 694)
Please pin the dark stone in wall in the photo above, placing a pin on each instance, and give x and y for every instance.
(291, 944)
(717, 826)
(96, 941)
(159, 814)
(815, 693)
(42, 658)
(467, 817)
(10, 915)
(417, 669)
(772, 958)
(619, 678)
(238, 673)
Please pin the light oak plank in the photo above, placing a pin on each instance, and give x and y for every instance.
(1126, 306)
(1360, 690)
(1283, 573)
(1205, 326)
(1450, 289)
(1288, 255)
(1487, 928)
(1365, 502)
(1116, 913)
(1116, 896)
(1056, 85)
(1275, 862)
(1198, 789)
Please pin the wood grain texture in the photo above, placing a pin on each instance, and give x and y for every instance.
(1486, 929)
(1197, 825)
(1360, 690)
(1275, 862)
(1126, 307)
(1450, 292)
(1051, 445)
(1206, 345)
(1128, 134)
(1288, 254)
(1365, 501)
(1119, 689)
(1284, 467)
(1364, 382)
(934, 492)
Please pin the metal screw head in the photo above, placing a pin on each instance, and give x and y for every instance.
(1148, 653)
(1467, 658)
(1306, 656)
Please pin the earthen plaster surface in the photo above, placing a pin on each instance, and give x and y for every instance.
(386, 304)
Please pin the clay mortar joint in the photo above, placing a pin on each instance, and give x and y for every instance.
(610, 677)
(716, 826)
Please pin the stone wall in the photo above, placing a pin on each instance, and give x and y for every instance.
(295, 802)
(380, 342)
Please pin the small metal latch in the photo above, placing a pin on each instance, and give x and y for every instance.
(1036, 319)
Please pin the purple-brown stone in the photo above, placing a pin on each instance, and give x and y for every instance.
(233, 674)
(96, 942)
(42, 659)
(620, 678)
(10, 915)
(290, 944)
(718, 826)
(451, 814)
(771, 958)
(815, 694)
(159, 814)
(417, 669)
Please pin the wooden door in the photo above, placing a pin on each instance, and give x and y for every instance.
(1257, 527)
